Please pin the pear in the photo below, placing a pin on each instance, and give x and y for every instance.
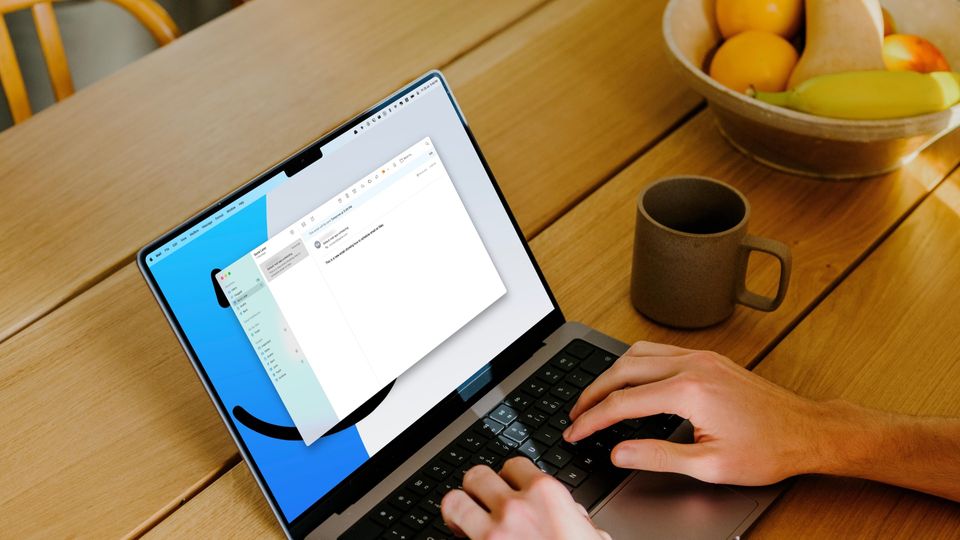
(842, 35)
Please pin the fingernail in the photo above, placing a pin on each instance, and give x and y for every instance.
(566, 432)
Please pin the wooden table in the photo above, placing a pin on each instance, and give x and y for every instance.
(110, 433)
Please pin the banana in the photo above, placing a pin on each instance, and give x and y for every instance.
(870, 95)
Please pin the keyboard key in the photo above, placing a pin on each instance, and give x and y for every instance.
(547, 435)
(598, 362)
(442, 527)
(416, 519)
(560, 421)
(488, 427)
(454, 454)
(499, 447)
(486, 457)
(518, 400)
(431, 504)
(550, 374)
(579, 348)
(588, 462)
(548, 405)
(659, 426)
(421, 485)
(579, 379)
(564, 362)
(433, 534)
(533, 418)
(503, 414)
(438, 470)
(509, 442)
(385, 515)
(402, 500)
(547, 468)
(558, 457)
(517, 432)
(363, 530)
(399, 532)
(564, 392)
(471, 442)
(534, 387)
(533, 449)
(572, 475)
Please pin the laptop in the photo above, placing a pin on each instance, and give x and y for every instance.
(370, 323)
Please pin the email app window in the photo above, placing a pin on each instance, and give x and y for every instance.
(363, 287)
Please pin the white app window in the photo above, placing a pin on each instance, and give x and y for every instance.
(369, 283)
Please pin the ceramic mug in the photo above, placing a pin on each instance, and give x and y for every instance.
(691, 251)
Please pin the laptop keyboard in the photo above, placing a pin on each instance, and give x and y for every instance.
(528, 423)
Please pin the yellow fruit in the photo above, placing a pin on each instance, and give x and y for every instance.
(754, 59)
(871, 95)
(781, 17)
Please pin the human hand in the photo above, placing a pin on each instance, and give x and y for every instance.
(747, 430)
(521, 502)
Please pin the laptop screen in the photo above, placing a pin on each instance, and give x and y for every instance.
(331, 306)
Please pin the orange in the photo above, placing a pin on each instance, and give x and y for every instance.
(758, 59)
(782, 17)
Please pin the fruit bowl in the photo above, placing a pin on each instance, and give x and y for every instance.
(801, 143)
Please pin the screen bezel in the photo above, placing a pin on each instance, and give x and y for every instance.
(436, 419)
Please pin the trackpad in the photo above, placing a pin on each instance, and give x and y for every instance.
(657, 505)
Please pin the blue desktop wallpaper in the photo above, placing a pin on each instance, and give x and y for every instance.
(297, 475)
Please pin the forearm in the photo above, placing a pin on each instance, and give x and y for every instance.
(916, 453)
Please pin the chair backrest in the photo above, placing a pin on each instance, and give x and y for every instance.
(148, 12)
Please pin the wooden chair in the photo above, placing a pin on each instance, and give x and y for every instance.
(148, 12)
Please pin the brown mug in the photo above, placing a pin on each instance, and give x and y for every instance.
(691, 251)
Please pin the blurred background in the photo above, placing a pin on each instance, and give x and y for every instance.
(98, 37)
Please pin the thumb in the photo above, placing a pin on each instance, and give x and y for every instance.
(660, 456)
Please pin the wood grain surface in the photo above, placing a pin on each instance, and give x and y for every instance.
(92, 179)
(586, 258)
(145, 154)
(886, 338)
(484, 82)
(586, 255)
(104, 401)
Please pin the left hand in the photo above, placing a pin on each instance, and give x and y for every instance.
(521, 502)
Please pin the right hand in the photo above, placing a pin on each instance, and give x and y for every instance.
(747, 430)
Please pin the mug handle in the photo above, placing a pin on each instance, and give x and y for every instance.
(771, 247)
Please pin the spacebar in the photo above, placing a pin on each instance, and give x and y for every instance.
(598, 486)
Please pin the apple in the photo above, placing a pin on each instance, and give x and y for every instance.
(903, 52)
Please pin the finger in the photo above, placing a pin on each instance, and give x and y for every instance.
(637, 402)
(604, 534)
(627, 371)
(660, 456)
(583, 511)
(650, 348)
(520, 472)
(486, 487)
(463, 514)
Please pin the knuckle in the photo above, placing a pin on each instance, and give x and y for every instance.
(711, 468)
(541, 483)
(690, 385)
(661, 458)
(513, 508)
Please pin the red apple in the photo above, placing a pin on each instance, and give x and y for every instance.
(902, 52)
